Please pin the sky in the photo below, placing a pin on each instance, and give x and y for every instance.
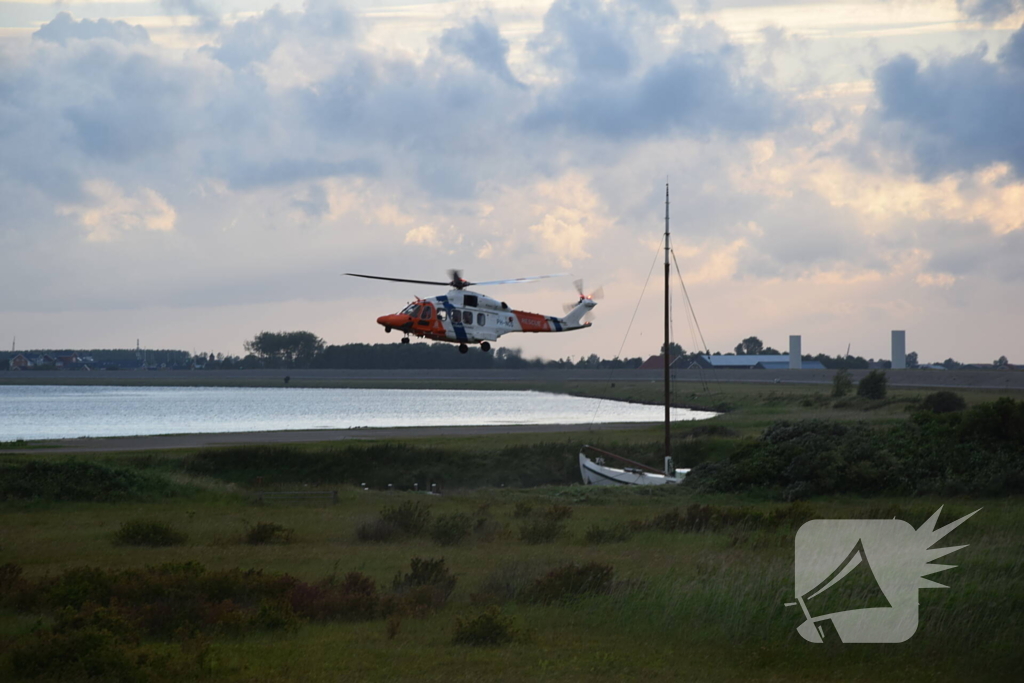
(190, 173)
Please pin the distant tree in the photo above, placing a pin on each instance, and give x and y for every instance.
(943, 402)
(842, 383)
(769, 351)
(751, 346)
(873, 385)
(951, 364)
(1001, 362)
(912, 360)
(290, 349)
(674, 350)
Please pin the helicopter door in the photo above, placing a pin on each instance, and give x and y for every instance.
(426, 316)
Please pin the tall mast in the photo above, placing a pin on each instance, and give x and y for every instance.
(668, 435)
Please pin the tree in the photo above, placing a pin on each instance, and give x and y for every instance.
(951, 364)
(842, 383)
(1001, 363)
(751, 346)
(674, 350)
(912, 359)
(291, 349)
(873, 386)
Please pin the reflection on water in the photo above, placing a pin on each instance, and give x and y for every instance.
(58, 412)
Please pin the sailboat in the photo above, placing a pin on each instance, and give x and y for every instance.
(596, 470)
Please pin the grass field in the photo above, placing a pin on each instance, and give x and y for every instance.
(702, 604)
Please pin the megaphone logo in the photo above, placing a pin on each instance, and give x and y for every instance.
(857, 579)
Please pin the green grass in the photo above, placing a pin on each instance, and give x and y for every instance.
(683, 606)
(702, 605)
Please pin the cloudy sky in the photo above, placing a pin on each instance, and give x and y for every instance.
(191, 172)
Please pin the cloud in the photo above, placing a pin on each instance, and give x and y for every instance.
(482, 44)
(63, 28)
(960, 114)
(111, 212)
(990, 10)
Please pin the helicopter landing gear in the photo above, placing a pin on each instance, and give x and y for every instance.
(405, 340)
(485, 346)
(463, 348)
(387, 329)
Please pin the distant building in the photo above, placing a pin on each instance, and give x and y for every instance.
(752, 362)
(20, 362)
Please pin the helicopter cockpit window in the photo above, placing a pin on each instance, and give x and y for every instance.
(481, 319)
(425, 315)
(467, 317)
(412, 309)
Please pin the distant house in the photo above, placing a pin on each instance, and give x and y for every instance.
(752, 362)
(20, 362)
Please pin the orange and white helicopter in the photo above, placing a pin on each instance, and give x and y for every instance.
(464, 317)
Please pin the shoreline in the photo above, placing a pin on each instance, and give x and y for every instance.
(205, 440)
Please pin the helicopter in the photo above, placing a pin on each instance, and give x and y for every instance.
(465, 317)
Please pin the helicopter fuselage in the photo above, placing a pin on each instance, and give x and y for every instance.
(464, 317)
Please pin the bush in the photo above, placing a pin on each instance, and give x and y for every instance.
(426, 588)
(540, 531)
(557, 513)
(267, 532)
(354, 598)
(522, 509)
(616, 533)
(80, 481)
(451, 529)
(842, 383)
(377, 531)
(411, 518)
(570, 582)
(873, 385)
(943, 402)
(152, 534)
(490, 629)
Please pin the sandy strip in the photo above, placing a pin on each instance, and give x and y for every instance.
(171, 441)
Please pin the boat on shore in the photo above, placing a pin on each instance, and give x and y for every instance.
(595, 471)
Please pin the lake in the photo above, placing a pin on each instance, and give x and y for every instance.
(64, 412)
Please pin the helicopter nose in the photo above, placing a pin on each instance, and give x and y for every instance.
(392, 320)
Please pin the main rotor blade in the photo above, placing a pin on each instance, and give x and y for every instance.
(519, 279)
(398, 279)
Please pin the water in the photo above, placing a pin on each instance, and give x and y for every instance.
(62, 412)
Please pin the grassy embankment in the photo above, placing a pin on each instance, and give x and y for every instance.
(692, 600)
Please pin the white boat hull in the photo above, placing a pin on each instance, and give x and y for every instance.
(602, 475)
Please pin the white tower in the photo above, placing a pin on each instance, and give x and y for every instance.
(899, 350)
(795, 361)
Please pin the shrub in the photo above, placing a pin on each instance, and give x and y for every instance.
(88, 653)
(267, 532)
(410, 517)
(152, 534)
(451, 529)
(842, 383)
(540, 531)
(570, 582)
(426, 587)
(873, 385)
(354, 598)
(80, 481)
(490, 629)
(377, 531)
(522, 509)
(557, 513)
(617, 533)
(943, 402)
